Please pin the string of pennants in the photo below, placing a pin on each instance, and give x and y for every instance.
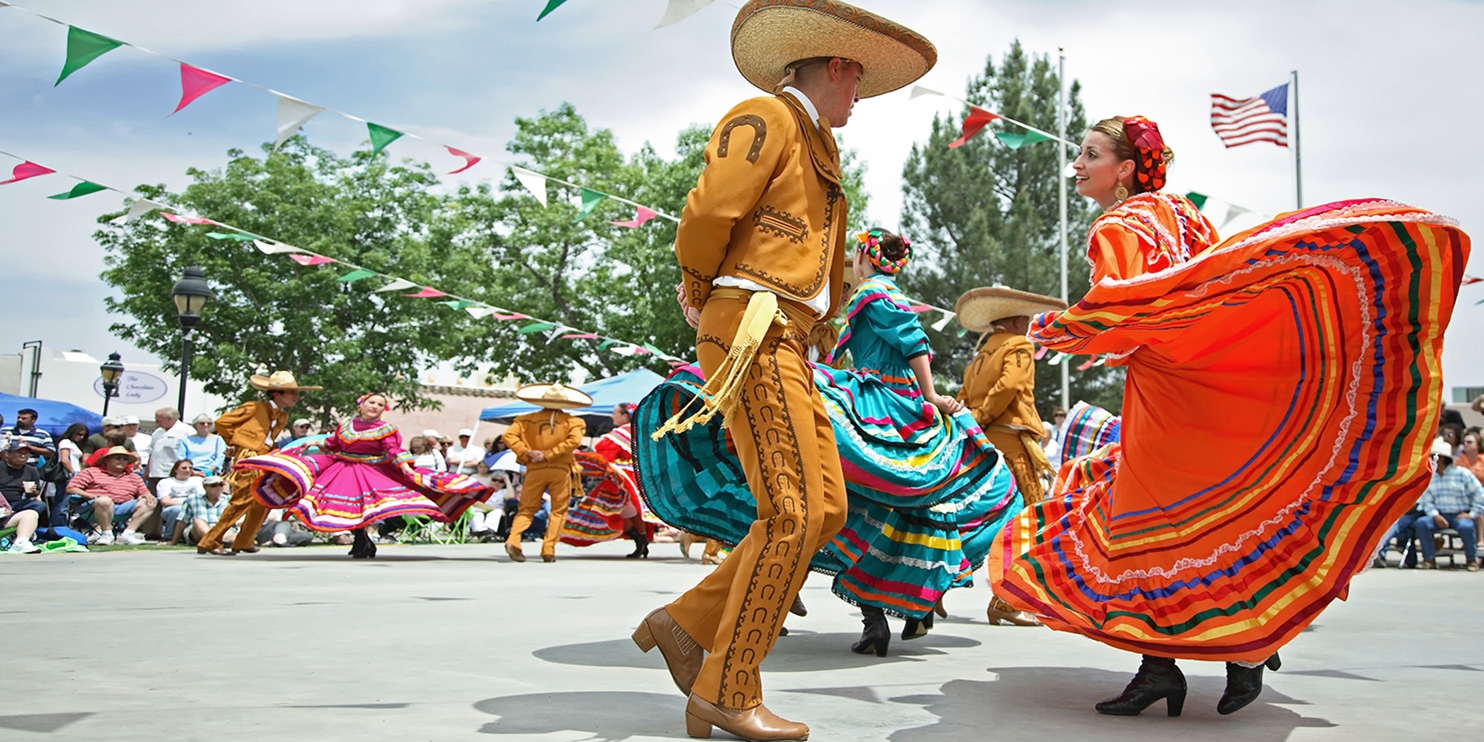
(675, 12)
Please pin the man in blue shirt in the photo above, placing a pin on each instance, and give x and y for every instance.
(1454, 500)
(38, 442)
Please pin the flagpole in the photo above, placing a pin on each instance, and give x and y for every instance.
(1298, 172)
(1061, 130)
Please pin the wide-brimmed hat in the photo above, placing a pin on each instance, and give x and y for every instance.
(1441, 447)
(553, 396)
(979, 308)
(279, 381)
(770, 35)
(119, 451)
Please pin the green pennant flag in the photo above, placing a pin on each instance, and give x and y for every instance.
(81, 189)
(1199, 199)
(606, 344)
(653, 349)
(535, 327)
(1016, 140)
(550, 6)
(234, 236)
(590, 201)
(457, 303)
(356, 275)
(962, 331)
(84, 47)
(381, 137)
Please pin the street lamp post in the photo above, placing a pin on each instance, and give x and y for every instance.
(111, 370)
(190, 294)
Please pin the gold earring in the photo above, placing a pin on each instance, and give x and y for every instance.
(1121, 192)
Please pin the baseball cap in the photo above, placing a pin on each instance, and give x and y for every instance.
(111, 420)
(130, 420)
(301, 421)
(15, 444)
(431, 433)
(466, 433)
(213, 479)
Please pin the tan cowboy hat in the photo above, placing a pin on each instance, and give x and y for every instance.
(553, 396)
(119, 451)
(770, 35)
(1441, 447)
(279, 381)
(979, 308)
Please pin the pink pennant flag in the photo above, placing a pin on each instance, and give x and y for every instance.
(311, 259)
(1041, 352)
(182, 219)
(1471, 279)
(580, 336)
(1087, 364)
(428, 292)
(27, 170)
(194, 83)
(677, 364)
(639, 219)
(469, 160)
(509, 317)
(977, 119)
(920, 308)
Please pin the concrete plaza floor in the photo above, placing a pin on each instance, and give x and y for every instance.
(456, 642)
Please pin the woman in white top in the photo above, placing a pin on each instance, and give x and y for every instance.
(69, 448)
(173, 491)
(424, 457)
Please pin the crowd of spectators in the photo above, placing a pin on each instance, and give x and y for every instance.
(1449, 510)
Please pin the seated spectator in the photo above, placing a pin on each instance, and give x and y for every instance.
(99, 441)
(1468, 455)
(1454, 499)
(204, 449)
(113, 438)
(485, 516)
(300, 429)
(69, 454)
(172, 493)
(1404, 529)
(38, 442)
(461, 457)
(202, 511)
(424, 456)
(21, 509)
(112, 494)
(279, 532)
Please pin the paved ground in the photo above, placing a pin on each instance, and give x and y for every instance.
(447, 643)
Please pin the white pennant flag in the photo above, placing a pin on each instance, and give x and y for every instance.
(534, 182)
(397, 284)
(275, 248)
(680, 10)
(481, 312)
(138, 208)
(942, 323)
(1057, 359)
(1232, 212)
(292, 114)
(918, 91)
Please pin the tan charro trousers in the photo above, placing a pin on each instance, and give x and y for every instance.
(787, 450)
(554, 479)
(242, 505)
(1027, 479)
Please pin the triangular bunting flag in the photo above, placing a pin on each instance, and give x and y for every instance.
(580, 336)
(550, 6)
(356, 275)
(977, 119)
(1199, 199)
(381, 137)
(428, 292)
(481, 312)
(680, 10)
(27, 170)
(510, 317)
(139, 207)
(233, 236)
(1056, 359)
(653, 349)
(918, 91)
(78, 191)
(194, 83)
(1471, 279)
(469, 160)
(1232, 212)
(590, 201)
(606, 344)
(644, 215)
(274, 248)
(397, 284)
(1016, 140)
(942, 323)
(1087, 364)
(536, 327)
(459, 304)
(84, 47)
(292, 114)
(1101, 361)
(534, 182)
(1041, 352)
(311, 259)
(184, 219)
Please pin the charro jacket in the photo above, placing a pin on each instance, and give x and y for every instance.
(251, 428)
(554, 433)
(1000, 384)
(769, 207)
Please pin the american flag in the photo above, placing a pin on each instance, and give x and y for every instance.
(1262, 118)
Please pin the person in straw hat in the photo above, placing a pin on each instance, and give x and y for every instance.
(250, 430)
(544, 443)
(761, 247)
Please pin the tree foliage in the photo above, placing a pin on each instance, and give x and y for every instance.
(985, 214)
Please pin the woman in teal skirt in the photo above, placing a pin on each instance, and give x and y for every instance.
(928, 493)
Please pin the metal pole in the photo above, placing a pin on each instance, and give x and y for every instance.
(106, 396)
(1298, 173)
(35, 347)
(1061, 131)
(185, 367)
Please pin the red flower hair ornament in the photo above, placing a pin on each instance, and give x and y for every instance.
(1150, 165)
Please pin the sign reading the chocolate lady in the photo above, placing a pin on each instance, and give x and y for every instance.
(136, 387)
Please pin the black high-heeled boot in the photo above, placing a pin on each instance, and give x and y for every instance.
(641, 544)
(1243, 685)
(363, 547)
(916, 629)
(877, 634)
(1158, 677)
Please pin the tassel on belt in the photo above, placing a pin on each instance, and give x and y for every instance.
(1031, 443)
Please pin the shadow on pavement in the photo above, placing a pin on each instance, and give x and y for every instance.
(609, 716)
(800, 651)
(1027, 702)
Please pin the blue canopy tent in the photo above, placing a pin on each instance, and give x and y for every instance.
(607, 393)
(51, 416)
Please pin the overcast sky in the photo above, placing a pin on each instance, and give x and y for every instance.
(1390, 98)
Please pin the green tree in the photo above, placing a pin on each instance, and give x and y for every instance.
(986, 214)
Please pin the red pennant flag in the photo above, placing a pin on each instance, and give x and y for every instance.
(580, 336)
(509, 317)
(643, 215)
(27, 170)
(920, 308)
(180, 219)
(975, 122)
(1041, 352)
(1087, 364)
(1466, 279)
(469, 160)
(428, 292)
(311, 259)
(195, 83)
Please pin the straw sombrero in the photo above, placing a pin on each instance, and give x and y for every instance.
(979, 308)
(553, 396)
(279, 381)
(770, 35)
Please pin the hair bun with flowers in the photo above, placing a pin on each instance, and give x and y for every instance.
(871, 246)
(1150, 166)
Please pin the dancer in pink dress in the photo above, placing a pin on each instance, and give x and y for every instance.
(359, 475)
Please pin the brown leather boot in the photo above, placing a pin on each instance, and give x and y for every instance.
(682, 654)
(756, 723)
(515, 553)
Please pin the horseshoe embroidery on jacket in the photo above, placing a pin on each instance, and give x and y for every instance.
(759, 135)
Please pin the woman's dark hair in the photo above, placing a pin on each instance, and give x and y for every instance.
(892, 246)
(176, 466)
(74, 429)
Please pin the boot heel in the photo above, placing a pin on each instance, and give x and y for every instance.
(697, 727)
(881, 647)
(1175, 703)
(1274, 663)
(644, 637)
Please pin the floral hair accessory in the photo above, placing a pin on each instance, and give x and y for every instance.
(871, 246)
(362, 399)
(1150, 165)
(629, 408)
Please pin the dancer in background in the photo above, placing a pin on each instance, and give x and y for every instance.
(544, 442)
(613, 509)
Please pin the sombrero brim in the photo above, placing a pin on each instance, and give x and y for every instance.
(769, 35)
(536, 395)
(979, 308)
(262, 383)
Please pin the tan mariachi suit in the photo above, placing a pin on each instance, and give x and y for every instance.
(556, 435)
(249, 430)
(1000, 392)
(768, 209)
